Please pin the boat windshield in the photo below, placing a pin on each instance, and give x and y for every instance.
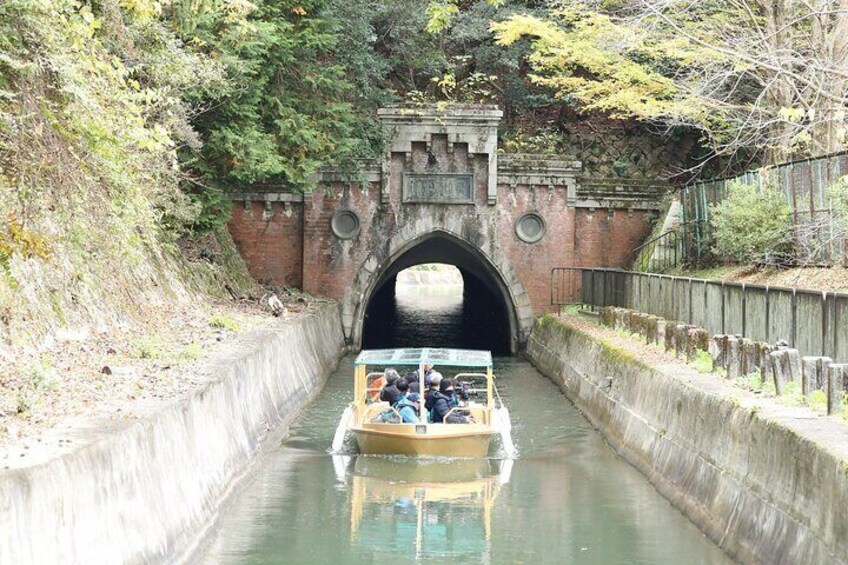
(425, 356)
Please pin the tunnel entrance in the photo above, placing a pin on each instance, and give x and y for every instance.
(470, 310)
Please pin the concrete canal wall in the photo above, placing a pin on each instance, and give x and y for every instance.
(768, 483)
(145, 490)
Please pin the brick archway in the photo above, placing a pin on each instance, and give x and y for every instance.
(437, 245)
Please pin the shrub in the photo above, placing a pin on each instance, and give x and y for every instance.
(753, 226)
(223, 322)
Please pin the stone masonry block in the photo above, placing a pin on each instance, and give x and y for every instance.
(764, 360)
(786, 368)
(733, 358)
(681, 337)
(836, 373)
(608, 316)
(651, 329)
(670, 330)
(662, 324)
(697, 340)
(749, 357)
(814, 374)
(718, 350)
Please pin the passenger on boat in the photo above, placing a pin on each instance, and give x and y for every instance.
(435, 380)
(428, 370)
(390, 392)
(407, 408)
(444, 401)
(414, 384)
(375, 387)
(439, 401)
(433, 389)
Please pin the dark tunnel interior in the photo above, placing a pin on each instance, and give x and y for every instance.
(477, 317)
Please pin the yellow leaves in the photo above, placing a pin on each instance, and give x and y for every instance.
(588, 57)
(440, 16)
(796, 115)
(144, 10)
(299, 10)
(16, 239)
(509, 31)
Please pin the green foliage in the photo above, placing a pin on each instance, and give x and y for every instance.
(818, 401)
(15, 239)
(844, 406)
(222, 321)
(544, 140)
(190, 352)
(838, 196)
(769, 387)
(791, 394)
(150, 348)
(753, 226)
(703, 362)
(285, 108)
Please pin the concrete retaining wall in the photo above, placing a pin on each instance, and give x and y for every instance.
(767, 483)
(146, 490)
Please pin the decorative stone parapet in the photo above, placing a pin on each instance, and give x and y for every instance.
(474, 125)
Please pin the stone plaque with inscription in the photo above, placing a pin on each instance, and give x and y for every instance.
(438, 188)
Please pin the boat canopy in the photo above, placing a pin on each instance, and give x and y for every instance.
(425, 356)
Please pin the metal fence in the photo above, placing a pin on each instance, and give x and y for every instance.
(805, 185)
(815, 323)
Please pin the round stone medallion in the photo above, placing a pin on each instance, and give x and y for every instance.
(530, 227)
(345, 224)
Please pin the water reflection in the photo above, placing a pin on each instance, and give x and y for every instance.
(567, 499)
(440, 511)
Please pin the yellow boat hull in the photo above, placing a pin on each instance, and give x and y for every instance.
(428, 440)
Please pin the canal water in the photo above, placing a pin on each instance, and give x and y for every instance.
(566, 497)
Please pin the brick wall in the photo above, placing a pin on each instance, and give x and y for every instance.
(270, 238)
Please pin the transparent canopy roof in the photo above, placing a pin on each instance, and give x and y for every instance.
(425, 356)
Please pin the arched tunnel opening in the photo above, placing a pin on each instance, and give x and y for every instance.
(474, 314)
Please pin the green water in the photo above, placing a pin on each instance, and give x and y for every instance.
(567, 498)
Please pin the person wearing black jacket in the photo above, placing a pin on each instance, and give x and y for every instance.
(390, 392)
(440, 402)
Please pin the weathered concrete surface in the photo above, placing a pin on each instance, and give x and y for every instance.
(766, 482)
(145, 490)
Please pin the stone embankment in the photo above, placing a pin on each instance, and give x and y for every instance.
(767, 482)
(146, 490)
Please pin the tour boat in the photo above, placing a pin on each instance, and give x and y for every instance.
(366, 417)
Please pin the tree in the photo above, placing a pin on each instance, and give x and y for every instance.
(285, 108)
(765, 75)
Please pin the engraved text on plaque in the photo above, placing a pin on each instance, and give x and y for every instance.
(438, 188)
